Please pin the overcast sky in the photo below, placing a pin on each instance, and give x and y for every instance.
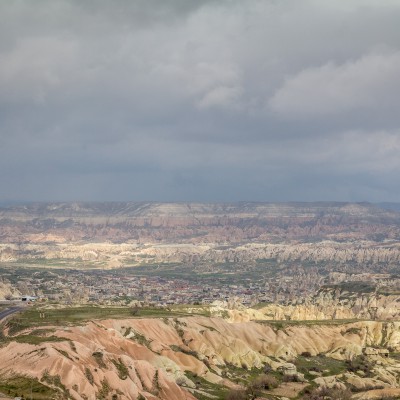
(184, 100)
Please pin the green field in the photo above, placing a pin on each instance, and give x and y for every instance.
(30, 317)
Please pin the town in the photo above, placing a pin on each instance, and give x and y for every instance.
(124, 287)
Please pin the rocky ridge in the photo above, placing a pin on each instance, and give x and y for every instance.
(327, 235)
(373, 257)
(152, 357)
(330, 303)
(196, 222)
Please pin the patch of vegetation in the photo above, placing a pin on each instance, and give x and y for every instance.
(16, 324)
(22, 386)
(317, 393)
(243, 376)
(189, 352)
(72, 345)
(324, 365)
(135, 310)
(141, 380)
(353, 287)
(211, 389)
(156, 384)
(180, 331)
(104, 390)
(32, 339)
(55, 381)
(141, 339)
(30, 317)
(210, 328)
(255, 387)
(360, 363)
(352, 331)
(281, 325)
(128, 330)
(41, 332)
(122, 369)
(64, 353)
(264, 382)
(98, 356)
(89, 375)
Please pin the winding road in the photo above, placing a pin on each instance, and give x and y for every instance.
(9, 311)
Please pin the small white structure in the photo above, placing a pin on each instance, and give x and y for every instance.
(28, 298)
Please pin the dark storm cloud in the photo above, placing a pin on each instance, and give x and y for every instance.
(199, 100)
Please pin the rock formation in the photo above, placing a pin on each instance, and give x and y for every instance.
(150, 357)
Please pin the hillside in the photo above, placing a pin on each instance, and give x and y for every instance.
(201, 357)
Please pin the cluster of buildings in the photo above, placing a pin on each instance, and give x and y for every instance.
(107, 287)
(122, 287)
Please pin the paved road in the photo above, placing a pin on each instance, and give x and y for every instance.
(9, 311)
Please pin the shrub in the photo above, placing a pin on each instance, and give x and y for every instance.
(104, 390)
(89, 375)
(98, 356)
(135, 310)
(360, 363)
(122, 369)
(267, 368)
(326, 393)
(265, 382)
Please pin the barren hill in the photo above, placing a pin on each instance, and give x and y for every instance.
(199, 222)
(199, 357)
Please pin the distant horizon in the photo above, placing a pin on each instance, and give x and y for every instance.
(26, 202)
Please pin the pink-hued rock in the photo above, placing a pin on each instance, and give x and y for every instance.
(147, 356)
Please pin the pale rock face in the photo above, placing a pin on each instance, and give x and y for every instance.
(378, 394)
(331, 382)
(363, 384)
(328, 304)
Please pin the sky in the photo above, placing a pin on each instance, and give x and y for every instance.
(200, 100)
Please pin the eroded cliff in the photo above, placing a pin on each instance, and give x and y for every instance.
(158, 358)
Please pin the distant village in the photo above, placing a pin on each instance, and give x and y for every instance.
(111, 288)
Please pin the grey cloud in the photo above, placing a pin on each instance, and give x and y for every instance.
(370, 83)
(208, 100)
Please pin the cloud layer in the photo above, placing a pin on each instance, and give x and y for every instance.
(200, 100)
